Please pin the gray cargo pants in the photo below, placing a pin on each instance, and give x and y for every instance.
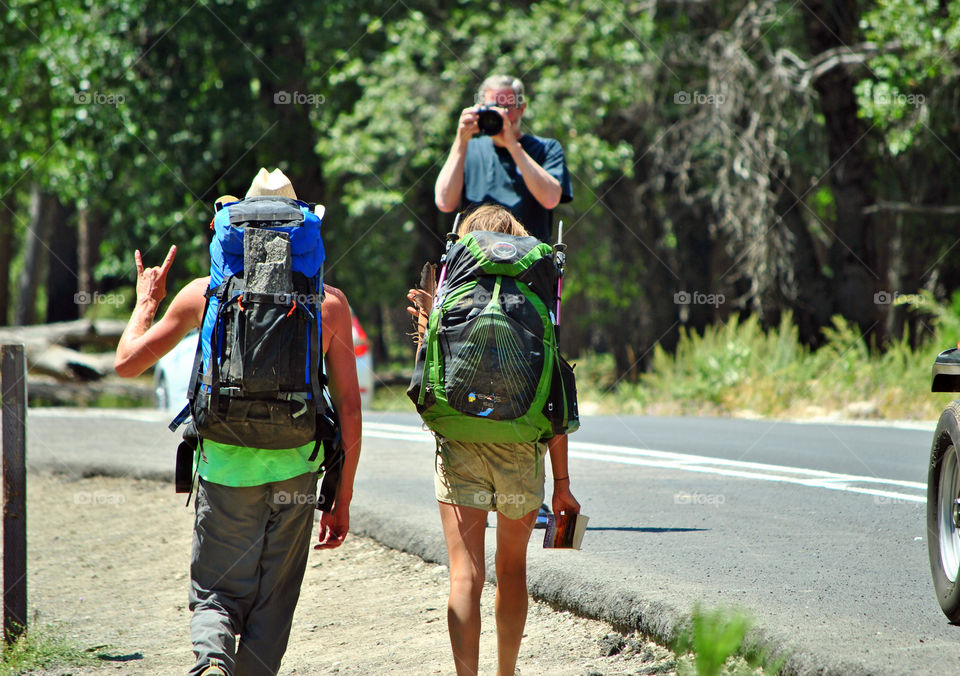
(250, 549)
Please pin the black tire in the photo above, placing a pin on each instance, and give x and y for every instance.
(943, 511)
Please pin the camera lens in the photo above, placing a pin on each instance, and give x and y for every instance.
(489, 121)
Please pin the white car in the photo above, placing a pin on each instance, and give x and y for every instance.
(171, 375)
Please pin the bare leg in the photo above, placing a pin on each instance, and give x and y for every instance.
(464, 529)
(511, 604)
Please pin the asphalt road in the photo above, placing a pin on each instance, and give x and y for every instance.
(817, 530)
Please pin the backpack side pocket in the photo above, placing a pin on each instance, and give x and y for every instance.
(561, 408)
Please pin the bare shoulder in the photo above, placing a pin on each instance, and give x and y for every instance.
(197, 287)
(337, 327)
(190, 301)
(335, 302)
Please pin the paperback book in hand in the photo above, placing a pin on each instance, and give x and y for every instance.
(565, 531)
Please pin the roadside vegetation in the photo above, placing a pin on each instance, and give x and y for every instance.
(717, 641)
(739, 368)
(42, 648)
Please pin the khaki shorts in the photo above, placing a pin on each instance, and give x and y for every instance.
(507, 478)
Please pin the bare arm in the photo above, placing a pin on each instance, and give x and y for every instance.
(563, 500)
(143, 342)
(341, 364)
(449, 186)
(544, 187)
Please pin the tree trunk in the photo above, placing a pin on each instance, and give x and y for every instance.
(34, 258)
(290, 99)
(808, 292)
(90, 227)
(6, 254)
(63, 302)
(651, 275)
(84, 275)
(853, 256)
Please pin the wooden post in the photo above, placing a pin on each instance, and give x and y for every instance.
(13, 382)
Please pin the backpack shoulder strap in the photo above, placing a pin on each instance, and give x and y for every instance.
(187, 410)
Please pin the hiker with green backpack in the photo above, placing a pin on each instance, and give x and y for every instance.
(490, 383)
(272, 337)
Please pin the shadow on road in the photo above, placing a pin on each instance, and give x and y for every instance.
(634, 529)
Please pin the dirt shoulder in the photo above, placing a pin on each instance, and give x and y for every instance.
(108, 564)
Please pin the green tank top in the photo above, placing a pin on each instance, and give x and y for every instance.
(239, 466)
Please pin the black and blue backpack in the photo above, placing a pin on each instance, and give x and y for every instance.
(258, 377)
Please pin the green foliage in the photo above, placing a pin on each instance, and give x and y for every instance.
(42, 648)
(910, 91)
(391, 398)
(741, 368)
(387, 151)
(945, 317)
(717, 638)
(707, 367)
(141, 113)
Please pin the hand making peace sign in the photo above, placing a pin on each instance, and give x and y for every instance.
(152, 282)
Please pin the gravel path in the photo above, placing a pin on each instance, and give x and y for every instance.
(108, 561)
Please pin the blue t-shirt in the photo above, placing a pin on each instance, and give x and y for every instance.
(490, 176)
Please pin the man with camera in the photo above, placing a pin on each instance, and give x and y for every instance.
(526, 174)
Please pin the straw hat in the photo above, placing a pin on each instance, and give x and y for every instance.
(271, 183)
(224, 199)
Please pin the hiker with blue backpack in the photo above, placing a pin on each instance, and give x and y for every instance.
(490, 383)
(261, 420)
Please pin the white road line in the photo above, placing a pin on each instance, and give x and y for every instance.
(839, 484)
(134, 414)
(688, 459)
(397, 432)
(646, 457)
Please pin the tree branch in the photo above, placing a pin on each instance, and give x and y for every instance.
(915, 209)
(825, 61)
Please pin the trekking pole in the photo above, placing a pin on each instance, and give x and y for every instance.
(452, 238)
(560, 260)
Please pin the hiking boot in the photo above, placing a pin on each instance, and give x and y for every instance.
(214, 669)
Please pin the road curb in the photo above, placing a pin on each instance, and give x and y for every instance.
(580, 593)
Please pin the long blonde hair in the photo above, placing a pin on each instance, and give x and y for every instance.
(494, 218)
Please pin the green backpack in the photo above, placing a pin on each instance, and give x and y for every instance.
(488, 368)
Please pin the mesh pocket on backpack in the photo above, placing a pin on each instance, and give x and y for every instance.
(493, 367)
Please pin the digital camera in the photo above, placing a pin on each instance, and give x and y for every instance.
(489, 120)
